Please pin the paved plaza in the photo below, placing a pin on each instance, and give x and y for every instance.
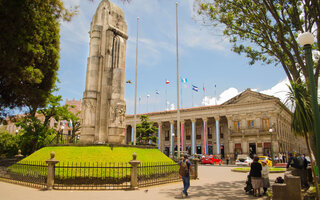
(216, 182)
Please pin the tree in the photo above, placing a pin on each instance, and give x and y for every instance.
(146, 131)
(74, 121)
(37, 133)
(267, 30)
(302, 120)
(29, 51)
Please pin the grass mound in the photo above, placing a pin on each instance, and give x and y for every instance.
(104, 154)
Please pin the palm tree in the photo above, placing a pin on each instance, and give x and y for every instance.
(302, 120)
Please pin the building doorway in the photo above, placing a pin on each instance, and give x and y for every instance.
(199, 149)
(252, 149)
(188, 150)
(222, 151)
(166, 151)
(210, 150)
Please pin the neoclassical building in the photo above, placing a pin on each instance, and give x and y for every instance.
(249, 122)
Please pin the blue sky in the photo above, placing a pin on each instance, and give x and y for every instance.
(205, 57)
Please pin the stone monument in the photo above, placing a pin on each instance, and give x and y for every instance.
(103, 106)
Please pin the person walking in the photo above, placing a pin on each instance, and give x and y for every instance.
(255, 173)
(227, 158)
(184, 173)
(265, 176)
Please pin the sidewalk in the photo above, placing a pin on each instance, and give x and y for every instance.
(214, 183)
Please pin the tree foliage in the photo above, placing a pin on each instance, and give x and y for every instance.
(267, 30)
(146, 131)
(37, 133)
(8, 145)
(29, 51)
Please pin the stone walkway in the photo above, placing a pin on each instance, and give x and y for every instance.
(216, 182)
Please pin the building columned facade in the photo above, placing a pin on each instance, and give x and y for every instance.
(251, 122)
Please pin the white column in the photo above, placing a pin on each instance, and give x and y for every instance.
(193, 136)
(182, 135)
(132, 133)
(217, 135)
(171, 138)
(159, 136)
(205, 141)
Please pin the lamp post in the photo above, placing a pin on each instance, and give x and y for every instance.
(306, 40)
(271, 147)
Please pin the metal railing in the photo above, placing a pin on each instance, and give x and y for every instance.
(157, 173)
(92, 176)
(29, 173)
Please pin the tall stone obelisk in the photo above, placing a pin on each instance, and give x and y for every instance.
(103, 107)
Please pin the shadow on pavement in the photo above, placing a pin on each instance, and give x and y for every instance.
(221, 190)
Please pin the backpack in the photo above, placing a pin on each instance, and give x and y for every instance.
(279, 180)
(183, 170)
(299, 163)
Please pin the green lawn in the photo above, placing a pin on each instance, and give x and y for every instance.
(96, 162)
(99, 154)
(271, 169)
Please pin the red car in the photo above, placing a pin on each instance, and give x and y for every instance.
(211, 159)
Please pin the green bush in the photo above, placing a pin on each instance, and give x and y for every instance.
(8, 145)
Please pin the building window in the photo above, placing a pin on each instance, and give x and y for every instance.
(209, 132)
(251, 124)
(237, 149)
(236, 126)
(167, 133)
(198, 133)
(221, 135)
(188, 134)
(265, 124)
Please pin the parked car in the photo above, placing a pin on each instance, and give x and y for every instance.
(211, 159)
(243, 160)
(266, 158)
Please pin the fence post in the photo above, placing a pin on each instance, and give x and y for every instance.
(196, 165)
(19, 156)
(134, 172)
(51, 166)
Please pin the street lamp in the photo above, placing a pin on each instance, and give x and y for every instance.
(270, 131)
(306, 40)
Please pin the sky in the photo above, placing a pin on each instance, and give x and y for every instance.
(205, 58)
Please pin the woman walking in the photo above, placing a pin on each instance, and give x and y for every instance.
(256, 179)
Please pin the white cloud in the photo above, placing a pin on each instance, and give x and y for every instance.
(224, 96)
(194, 36)
(280, 90)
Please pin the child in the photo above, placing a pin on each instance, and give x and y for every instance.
(265, 177)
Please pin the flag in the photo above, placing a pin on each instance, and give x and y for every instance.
(184, 80)
(195, 88)
(167, 82)
(204, 88)
(157, 92)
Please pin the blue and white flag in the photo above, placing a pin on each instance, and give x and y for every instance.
(157, 92)
(184, 80)
(70, 123)
(195, 88)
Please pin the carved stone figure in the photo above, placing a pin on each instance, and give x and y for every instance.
(103, 100)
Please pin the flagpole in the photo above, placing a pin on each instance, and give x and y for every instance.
(178, 101)
(135, 90)
(215, 93)
(166, 105)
